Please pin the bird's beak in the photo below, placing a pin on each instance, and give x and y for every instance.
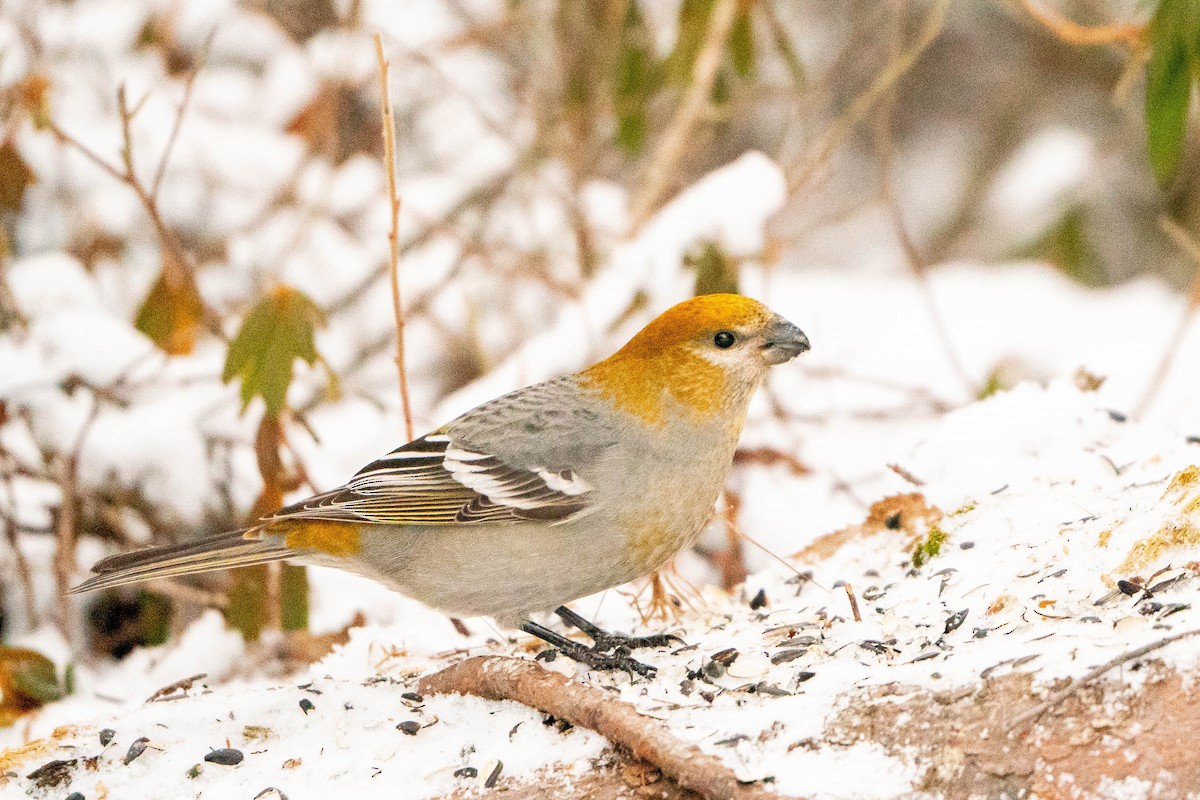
(784, 341)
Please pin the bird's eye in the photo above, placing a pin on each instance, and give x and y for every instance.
(723, 340)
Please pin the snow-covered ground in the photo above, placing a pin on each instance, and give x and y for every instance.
(1042, 509)
(1047, 496)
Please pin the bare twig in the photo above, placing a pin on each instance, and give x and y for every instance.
(853, 602)
(156, 184)
(783, 43)
(906, 475)
(499, 678)
(1077, 684)
(916, 263)
(1190, 246)
(664, 166)
(177, 260)
(182, 685)
(67, 524)
(10, 534)
(389, 156)
(820, 150)
(1070, 32)
(791, 567)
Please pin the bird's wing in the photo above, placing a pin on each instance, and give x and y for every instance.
(454, 475)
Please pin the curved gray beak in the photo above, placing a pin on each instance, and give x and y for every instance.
(784, 341)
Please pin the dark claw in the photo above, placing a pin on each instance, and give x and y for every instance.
(594, 657)
(611, 641)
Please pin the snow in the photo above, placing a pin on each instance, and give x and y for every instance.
(1046, 492)
(1049, 495)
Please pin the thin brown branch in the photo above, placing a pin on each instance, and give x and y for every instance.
(178, 259)
(664, 166)
(1192, 248)
(389, 157)
(821, 150)
(853, 602)
(791, 567)
(66, 529)
(10, 533)
(1065, 30)
(783, 43)
(156, 184)
(499, 678)
(906, 475)
(916, 263)
(1076, 684)
(183, 686)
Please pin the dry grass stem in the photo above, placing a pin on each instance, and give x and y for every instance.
(1070, 32)
(664, 166)
(1075, 684)
(526, 682)
(389, 158)
(818, 154)
(1192, 248)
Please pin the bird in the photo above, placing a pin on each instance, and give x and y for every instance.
(544, 495)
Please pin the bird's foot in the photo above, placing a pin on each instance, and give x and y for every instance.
(605, 641)
(616, 657)
(596, 659)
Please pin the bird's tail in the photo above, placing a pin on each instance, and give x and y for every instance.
(221, 551)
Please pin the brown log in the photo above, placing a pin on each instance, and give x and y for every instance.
(500, 678)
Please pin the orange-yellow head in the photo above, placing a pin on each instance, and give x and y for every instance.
(705, 355)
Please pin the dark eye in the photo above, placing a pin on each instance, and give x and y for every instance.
(723, 340)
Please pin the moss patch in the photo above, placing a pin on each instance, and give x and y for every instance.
(930, 546)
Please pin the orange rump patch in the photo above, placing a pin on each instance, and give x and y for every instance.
(332, 538)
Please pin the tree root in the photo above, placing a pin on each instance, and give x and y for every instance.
(501, 678)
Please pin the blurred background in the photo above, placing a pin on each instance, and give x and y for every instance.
(196, 316)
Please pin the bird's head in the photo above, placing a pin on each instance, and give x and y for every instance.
(707, 352)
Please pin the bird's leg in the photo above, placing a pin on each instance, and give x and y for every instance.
(605, 641)
(577, 651)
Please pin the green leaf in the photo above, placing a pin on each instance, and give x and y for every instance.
(293, 598)
(27, 680)
(276, 332)
(1173, 67)
(741, 42)
(693, 25)
(246, 611)
(716, 271)
(638, 76)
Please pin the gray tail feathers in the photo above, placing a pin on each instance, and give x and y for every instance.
(207, 553)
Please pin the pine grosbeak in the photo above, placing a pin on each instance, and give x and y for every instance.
(539, 497)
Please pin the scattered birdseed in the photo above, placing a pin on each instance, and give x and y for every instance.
(1128, 587)
(494, 775)
(106, 736)
(955, 620)
(75, 796)
(466, 772)
(52, 773)
(790, 654)
(759, 600)
(225, 756)
(306, 705)
(801, 677)
(194, 771)
(136, 749)
(409, 727)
